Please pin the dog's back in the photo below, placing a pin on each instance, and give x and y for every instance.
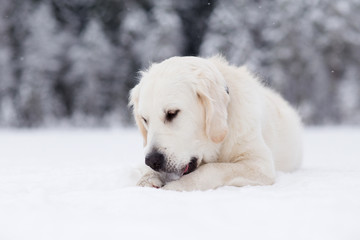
(280, 124)
(282, 131)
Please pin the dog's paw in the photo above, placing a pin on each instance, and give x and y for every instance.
(186, 183)
(173, 186)
(150, 180)
(180, 186)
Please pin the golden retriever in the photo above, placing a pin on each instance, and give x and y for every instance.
(208, 124)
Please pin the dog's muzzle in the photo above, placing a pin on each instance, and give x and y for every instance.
(156, 160)
(191, 166)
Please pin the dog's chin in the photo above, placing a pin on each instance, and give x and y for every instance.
(170, 176)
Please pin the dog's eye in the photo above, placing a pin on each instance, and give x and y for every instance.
(145, 121)
(171, 114)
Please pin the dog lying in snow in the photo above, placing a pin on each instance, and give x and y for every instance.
(208, 124)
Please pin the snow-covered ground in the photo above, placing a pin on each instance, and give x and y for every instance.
(78, 184)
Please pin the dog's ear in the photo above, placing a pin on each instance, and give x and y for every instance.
(133, 102)
(212, 91)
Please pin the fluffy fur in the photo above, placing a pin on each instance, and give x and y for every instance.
(240, 131)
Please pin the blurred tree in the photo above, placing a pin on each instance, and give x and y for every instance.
(194, 16)
(40, 65)
(90, 74)
(152, 35)
(7, 111)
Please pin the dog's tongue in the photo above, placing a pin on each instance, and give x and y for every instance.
(186, 169)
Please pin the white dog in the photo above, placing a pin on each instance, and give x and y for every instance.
(207, 124)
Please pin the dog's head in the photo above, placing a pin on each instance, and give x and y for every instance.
(180, 107)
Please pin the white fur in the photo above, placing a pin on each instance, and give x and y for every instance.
(241, 138)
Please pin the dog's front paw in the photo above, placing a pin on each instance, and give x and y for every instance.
(173, 186)
(150, 180)
(180, 186)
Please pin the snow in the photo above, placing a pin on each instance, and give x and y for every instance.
(78, 184)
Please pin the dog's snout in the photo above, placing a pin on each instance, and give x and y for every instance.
(155, 160)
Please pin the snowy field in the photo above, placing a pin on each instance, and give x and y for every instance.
(78, 184)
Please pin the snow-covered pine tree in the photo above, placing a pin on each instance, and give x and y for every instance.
(40, 63)
(7, 111)
(90, 75)
(151, 35)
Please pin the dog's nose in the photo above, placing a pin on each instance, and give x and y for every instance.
(155, 160)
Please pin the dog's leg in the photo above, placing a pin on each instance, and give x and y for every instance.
(213, 175)
(248, 169)
(150, 178)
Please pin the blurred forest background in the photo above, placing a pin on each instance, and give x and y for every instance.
(74, 61)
